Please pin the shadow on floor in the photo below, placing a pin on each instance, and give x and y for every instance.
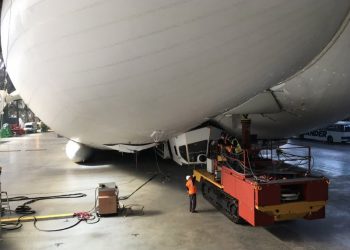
(209, 210)
(332, 228)
(144, 213)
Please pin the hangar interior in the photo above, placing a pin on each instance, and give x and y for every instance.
(179, 124)
(36, 165)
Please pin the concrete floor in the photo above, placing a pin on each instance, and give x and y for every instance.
(37, 165)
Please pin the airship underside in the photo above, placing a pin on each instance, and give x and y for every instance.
(108, 73)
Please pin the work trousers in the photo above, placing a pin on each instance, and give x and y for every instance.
(193, 202)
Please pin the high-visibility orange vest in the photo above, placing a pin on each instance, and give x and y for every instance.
(191, 187)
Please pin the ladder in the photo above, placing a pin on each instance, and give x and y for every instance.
(4, 200)
(0, 207)
(5, 204)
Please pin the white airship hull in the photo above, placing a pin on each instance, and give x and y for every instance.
(113, 72)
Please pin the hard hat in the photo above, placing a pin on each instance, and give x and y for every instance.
(187, 177)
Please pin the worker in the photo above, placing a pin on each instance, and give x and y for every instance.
(192, 191)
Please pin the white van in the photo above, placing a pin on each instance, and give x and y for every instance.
(30, 127)
(337, 132)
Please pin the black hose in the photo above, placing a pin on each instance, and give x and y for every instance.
(55, 230)
(128, 196)
(25, 209)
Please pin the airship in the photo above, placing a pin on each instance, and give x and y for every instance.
(126, 75)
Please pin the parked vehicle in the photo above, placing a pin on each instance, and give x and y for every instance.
(337, 132)
(30, 127)
(17, 130)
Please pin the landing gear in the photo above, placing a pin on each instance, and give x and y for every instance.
(222, 201)
(78, 152)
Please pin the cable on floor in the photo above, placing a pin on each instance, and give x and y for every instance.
(87, 217)
(13, 225)
(25, 209)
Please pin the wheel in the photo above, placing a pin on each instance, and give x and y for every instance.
(330, 139)
(234, 214)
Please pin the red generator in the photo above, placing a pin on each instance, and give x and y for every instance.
(260, 190)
